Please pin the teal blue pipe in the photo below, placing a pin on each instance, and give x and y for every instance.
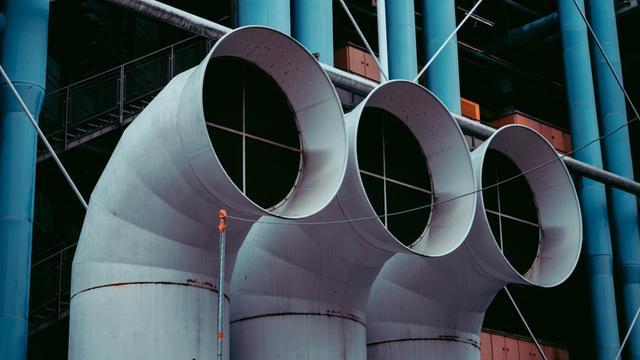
(273, 13)
(443, 75)
(401, 39)
(617, 159)
(313, 27)
(23, 55)
(584, 128)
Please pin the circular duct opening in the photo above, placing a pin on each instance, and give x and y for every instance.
(394, 174)
(543, 244)
(411, 159)
(275, 122)
(511, 210)
(253, 129)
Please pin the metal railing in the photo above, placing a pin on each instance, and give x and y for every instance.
(50, 288)
(79, 112)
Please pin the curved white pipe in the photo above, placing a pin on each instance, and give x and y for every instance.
(145, 267)
(433, 308)
(300, 290)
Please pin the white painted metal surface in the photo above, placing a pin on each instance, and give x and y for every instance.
(381, 18)
(299, 290)
(434, 307)
(145, 268)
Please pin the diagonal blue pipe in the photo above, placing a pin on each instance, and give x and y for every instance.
(617, 159)
(313, 27)
(584, 128)
(442, 76)
(401, 39)
(272, 13)
(23, 55)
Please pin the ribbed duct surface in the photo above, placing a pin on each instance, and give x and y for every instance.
(527, 230)
(257, 129)
(300, 288)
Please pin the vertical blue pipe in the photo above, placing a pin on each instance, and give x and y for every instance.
(271, 13)
(442, 76)
(584, 128)
(24, 58)
(617, 159)
(401, 39)
(313, 27)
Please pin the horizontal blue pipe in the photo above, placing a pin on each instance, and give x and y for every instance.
(272, 13)
(443, 75)
(401, 39)
(23, 55)
(534, 30)
(313, 27)
(616, 149)
(584, 128)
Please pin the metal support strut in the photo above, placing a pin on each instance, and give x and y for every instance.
(222, 226)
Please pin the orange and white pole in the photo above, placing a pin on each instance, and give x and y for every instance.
(222, 226)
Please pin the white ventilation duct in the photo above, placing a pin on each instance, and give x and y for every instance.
(300, 288)
(259, 117)
(433, 308)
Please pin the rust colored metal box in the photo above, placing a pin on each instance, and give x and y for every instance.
(485, 346)
(371, 69)
(357, 61)
(351, 59)
(470, 109)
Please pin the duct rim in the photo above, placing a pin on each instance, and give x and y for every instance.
(315, 107)
(441, 141)
(556, 200)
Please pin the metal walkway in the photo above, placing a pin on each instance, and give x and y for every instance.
(82, 111)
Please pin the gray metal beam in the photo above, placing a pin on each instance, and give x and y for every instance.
(522, 8)
(204, 27)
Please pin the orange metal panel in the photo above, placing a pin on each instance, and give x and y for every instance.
(557, 140)
(567, 142)
(526, 350)
(546, 131)
(530, 123)
(505, 120)
(470, 109)
(511, 348)
(563, 354)
(485, 346)
(371, 69)
(340, 59)
(498, 347)
(550, 352)
(535, 352)
(351, 59)
(356, 60)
